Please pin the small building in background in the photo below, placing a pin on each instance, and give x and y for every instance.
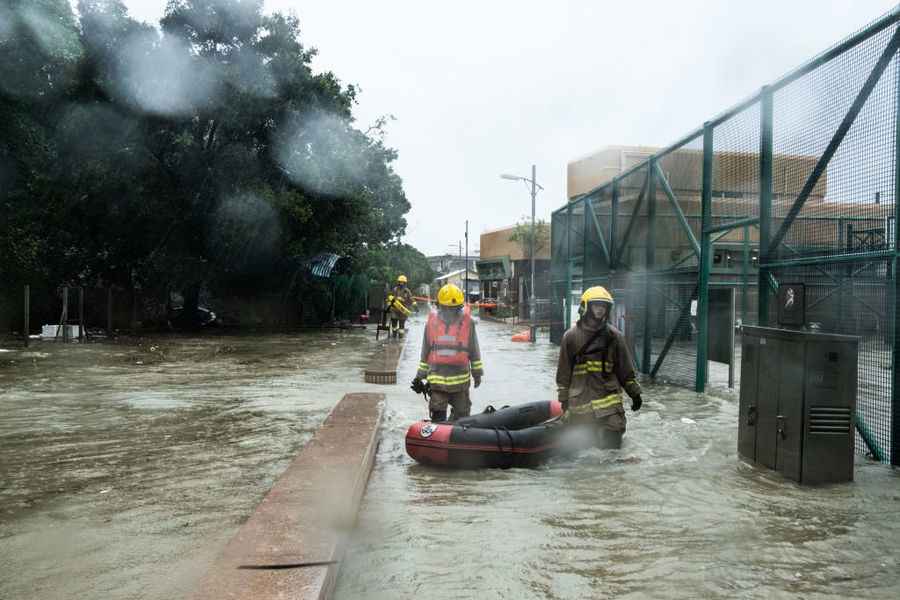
(446, 263)
(505, 271)
(472, 288)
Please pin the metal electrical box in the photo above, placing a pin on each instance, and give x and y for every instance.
(798, 397)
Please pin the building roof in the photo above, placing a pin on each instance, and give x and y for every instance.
(496, 243)
(453, 273)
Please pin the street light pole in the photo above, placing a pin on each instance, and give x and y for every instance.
(466, 267)
(533, 235)
(534, 187)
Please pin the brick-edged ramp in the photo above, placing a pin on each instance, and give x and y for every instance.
(292, 545)
(382, 368)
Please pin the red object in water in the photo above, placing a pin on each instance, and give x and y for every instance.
(363, 318)
(516, 436)
(522, 336)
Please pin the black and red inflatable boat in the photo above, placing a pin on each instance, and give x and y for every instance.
(515, 436)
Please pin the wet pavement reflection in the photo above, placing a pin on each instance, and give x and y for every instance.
(673, 514)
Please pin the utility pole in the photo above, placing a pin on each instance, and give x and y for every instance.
(531, 301)
(534, 187)
(466, 267)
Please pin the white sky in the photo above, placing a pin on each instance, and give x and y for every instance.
(483, 88)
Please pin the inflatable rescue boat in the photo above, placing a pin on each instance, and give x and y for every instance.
(514, 436)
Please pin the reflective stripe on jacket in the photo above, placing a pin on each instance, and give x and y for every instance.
(594, 383)
(597, 405)
(400, 309)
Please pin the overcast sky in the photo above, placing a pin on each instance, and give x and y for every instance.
(489, 87)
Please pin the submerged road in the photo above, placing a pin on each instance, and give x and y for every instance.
(125, 470)
(673, 514)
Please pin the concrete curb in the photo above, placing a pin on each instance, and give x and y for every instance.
(296, 538)
(383, 366)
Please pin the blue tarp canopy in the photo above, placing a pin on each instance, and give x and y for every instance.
(321, 265)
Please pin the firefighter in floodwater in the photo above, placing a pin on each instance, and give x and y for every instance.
(594, 366)
(400, 303)
(450, 358)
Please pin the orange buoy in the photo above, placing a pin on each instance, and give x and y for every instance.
(522, 336)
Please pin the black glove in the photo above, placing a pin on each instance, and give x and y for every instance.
(417, 385)
(636, 403)
(477, 379)
(565, 405)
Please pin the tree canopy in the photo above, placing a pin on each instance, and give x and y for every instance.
(524, 234)
(205, 152)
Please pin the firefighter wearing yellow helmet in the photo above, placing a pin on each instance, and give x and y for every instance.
(594, 366)
(451, 359)
(400, 304)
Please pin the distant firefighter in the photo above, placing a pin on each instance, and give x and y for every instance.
(400, 304)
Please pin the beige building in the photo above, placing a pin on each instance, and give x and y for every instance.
(735, 174)
(591, 171)
(822, 221)
(505, 268)
(496, 243)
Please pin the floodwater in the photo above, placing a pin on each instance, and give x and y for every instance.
(124, 470)
(673, 514)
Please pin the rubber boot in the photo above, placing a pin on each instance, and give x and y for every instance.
(439, 416)
(607, 439)
(457, 414)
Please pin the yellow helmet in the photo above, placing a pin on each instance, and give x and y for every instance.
(401, 279)
(597, 293)
(450, 296)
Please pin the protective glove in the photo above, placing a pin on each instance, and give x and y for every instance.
(636, 403)
(477, 379)
(565, 405)
(417, 385)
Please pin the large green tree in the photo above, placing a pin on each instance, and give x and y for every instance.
(203, 153)
(385, 263)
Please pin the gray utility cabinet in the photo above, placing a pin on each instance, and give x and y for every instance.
(798, 397)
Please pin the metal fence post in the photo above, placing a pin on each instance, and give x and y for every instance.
(745, 275)
(584, 238)
(647, 357)
(81, 335)
(765, 203)
(567, 305)
(64, 321)
(705, 260)
(109, 312)
(27, 317)
(613, 227)
(895, 287)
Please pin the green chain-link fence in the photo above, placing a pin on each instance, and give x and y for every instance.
(798, 184)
